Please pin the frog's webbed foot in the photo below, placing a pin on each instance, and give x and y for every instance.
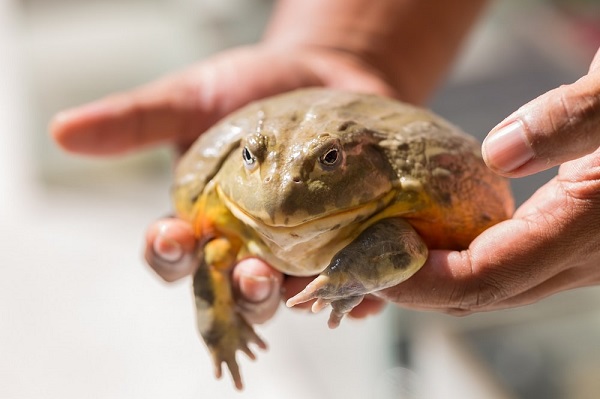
(223, 328)
(339, 308)
(324, 291)
(223, 344)
(382, 256)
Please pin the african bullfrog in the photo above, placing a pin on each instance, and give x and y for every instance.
(354, 188)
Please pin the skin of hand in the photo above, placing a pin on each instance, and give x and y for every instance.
(348, 44)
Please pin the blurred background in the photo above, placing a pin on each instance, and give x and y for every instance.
(82, 317)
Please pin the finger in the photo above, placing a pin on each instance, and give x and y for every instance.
(167, 110)
(575, 277)
(566, 280)
(259, 289)
(559, 126)
(180, 107)
(171, 249)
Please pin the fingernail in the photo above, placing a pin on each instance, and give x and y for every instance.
(507, 149)
(255, 288)
(169, 250)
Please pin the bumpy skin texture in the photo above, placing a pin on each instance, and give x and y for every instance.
(355, 187)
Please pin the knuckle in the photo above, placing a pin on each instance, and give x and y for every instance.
(481, 290)
(562, 112)
(565, 112)
(563, 124)
(577, 112)
(580, 184)
(483, 294)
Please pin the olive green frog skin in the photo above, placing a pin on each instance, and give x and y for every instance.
(351, 187)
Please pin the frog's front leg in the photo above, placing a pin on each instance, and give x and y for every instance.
(382, 256)
(223, 329)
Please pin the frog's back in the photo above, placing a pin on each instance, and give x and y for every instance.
(457, 196)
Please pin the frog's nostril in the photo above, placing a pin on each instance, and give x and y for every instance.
(296, 179)
(268, 179)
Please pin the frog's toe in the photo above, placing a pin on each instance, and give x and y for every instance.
(248, 335)
(341, 308)
(334, 319)
(237, 337)
(327, 290)
(313, 290)
(320, 304)
(227, 356)
(233, 367)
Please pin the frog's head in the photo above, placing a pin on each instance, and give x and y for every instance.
(292, 174)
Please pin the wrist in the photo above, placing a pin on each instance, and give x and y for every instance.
(353, 29)
(408, 43)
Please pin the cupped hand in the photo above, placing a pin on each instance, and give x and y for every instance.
(551, 244)
(178, 108)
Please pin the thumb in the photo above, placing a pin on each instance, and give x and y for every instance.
(560, 125)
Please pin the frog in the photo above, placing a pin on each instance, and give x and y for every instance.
(352, 188)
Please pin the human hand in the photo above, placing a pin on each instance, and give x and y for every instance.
(177, 109)
(551, 244)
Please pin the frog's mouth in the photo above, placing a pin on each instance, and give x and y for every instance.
(302, 224)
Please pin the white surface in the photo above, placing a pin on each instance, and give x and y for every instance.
(443, 359)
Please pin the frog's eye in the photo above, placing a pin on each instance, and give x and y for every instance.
(248, 157)
(331, 158)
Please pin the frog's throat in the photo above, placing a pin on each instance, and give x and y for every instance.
(322, 222)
